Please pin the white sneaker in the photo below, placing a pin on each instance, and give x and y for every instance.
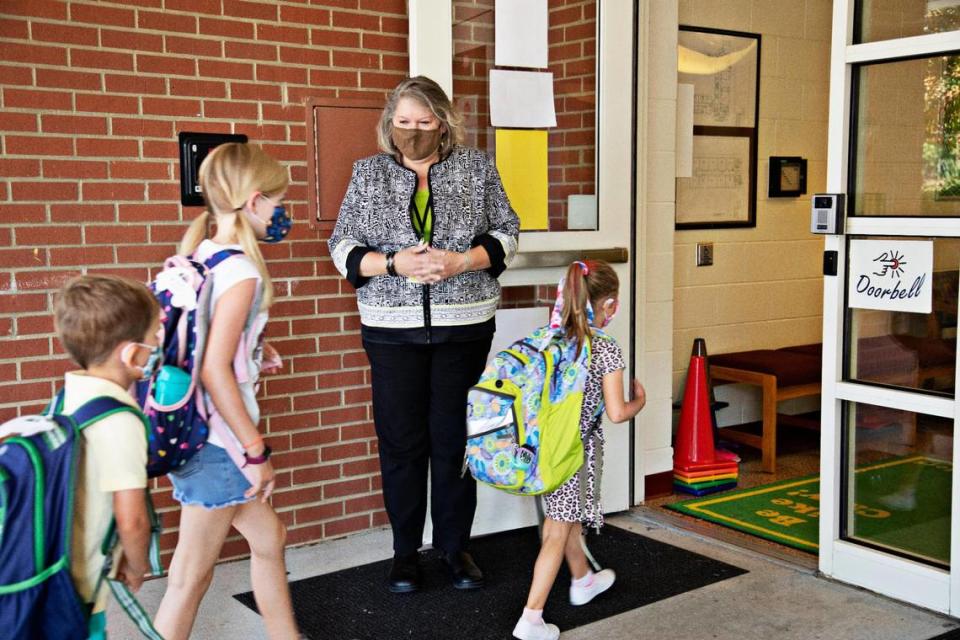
(540, 631)
(602, 580)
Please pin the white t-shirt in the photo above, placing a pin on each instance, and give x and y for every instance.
(113, 457)
(225, 275)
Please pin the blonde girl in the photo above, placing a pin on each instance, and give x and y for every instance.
(587, 299)
(244, 189)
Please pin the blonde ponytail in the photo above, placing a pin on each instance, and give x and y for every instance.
(197, 232)
(591, 281)
(229, 176)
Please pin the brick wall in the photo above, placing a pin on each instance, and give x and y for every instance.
(93, 95)
(572, 59)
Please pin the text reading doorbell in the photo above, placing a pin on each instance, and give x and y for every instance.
(826, 213)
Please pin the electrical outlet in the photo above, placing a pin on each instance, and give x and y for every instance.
(704, 254)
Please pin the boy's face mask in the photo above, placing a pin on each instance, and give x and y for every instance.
(154, 360)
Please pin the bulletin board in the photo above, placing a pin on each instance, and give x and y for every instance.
(339, 132)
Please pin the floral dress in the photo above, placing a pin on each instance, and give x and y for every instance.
(564, 504)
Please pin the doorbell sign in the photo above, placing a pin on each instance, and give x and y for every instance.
(891, 275)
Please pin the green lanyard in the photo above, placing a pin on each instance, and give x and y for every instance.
(421, 215)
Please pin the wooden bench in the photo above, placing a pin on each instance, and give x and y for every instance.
(795, 372)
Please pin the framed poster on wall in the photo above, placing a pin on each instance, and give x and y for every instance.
(723, 67)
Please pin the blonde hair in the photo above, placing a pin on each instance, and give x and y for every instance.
(595, 283)
(431, 95)
(94, 314)
(228, 176)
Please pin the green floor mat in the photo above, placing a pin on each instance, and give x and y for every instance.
(903, 504)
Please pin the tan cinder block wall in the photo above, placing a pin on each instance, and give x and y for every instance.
(764, 289)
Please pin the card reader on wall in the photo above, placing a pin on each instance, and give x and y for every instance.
(194, 147)
(827, 213)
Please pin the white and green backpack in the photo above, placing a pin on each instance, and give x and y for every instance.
(523, 416)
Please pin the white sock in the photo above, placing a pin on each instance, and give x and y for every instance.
(585, 581)
(533, 616)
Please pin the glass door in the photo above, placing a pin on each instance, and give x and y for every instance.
(889, 406)
(583, 164)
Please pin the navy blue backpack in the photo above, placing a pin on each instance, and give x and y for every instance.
(173, 401)
(38, 461)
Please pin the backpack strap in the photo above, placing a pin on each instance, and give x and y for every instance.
(99, 408)
(219, 257)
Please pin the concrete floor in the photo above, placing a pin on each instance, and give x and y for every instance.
(776, 599)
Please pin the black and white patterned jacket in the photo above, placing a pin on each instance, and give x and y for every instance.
(470, 208)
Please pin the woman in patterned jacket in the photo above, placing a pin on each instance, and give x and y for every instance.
(423, 233)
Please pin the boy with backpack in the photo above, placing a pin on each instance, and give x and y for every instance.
(109, 326)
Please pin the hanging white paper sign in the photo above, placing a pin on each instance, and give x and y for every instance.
(891, 275)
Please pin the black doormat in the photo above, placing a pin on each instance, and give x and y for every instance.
(354, 604)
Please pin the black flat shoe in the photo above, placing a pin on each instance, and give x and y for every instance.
(465, 573)
(405, 573)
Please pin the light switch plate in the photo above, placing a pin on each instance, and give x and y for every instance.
(704, 254)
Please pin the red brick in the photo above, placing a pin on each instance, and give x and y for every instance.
(101, 147)
(81, 256)
(158, 149)
(229, 28)
(163, 21)
(63, 79)
(39, 146)
(395, 25)
(255, 10)
(167, 65)
(345, 20)
(171, 107)
(194, 46)
(47, 235)
(24, 392)
(319, 512)
(16, 75)
(258, 91)
(64, 34)
(139, 254)
(347, 525)
(139, 84)
(231, 110)
(83, 212)
(172, 233)
(361, 467)
(112, 234)
(21, 302)
(193, 6)
(345, 488)
(24, 348)
(356, 60)
(50, 123)
(15, 29)
(365, 503)
(275, 386)
(111, 192)
(99, 14)
(13, 258)
(74, 169)
(131, 40)
(342, 415)
(40, 100)
(107, 103)
(122, 170)
(220, 69)
(17, 168)
(398, 7)
(100, 59)
(250, 51)
(273, 33)
(304, 16)
(267, 73)
(356, 396)
(147, 212)
(331, 38)
(163, 190)
(34, 54)
(395, 63)
(141, 128)
(325, 77)
(385, 42)
(383, 80)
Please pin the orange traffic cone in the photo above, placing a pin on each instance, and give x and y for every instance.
(694, 446)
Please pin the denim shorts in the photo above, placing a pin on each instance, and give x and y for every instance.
(210, 479)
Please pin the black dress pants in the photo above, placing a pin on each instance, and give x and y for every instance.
(420, 409)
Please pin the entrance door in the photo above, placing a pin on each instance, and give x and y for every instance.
(889, 403)
(590, 46)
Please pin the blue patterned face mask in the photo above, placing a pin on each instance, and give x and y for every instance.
(154, 360)
(279, 225)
